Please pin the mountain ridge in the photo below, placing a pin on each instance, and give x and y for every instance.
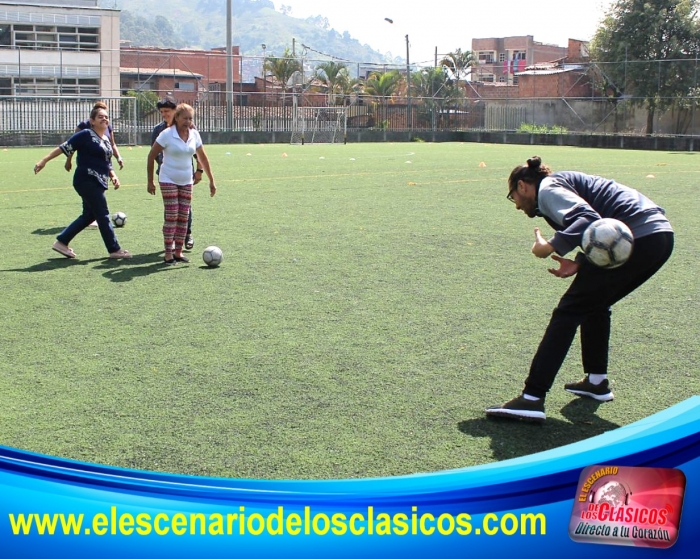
(202, 24)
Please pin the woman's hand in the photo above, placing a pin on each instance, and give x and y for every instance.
(115, 182)
(212, 189)
(151, 188)
(39, 166)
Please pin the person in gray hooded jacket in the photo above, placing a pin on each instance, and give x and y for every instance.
(569, 202)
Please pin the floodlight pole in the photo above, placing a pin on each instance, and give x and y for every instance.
(409, 119)
(229, 69)
(264, 73)
(408, 88)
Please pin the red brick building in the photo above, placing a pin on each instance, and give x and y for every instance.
(556, 72)
(567, 77)
(500, 58)
(185, 73)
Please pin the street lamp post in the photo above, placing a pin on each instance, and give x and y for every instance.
(409, 119)
(229, 69)
(264, 76)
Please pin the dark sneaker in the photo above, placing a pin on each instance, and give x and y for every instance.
(189, 242)
(520, 408)
(600, 392)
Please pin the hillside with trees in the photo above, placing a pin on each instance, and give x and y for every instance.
(202, 24)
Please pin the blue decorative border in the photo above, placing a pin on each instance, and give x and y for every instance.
(540, 483)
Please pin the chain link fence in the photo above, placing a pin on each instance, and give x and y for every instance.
(621, 98)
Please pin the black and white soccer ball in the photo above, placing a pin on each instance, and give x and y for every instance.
(212, 256)
(119, 219)
(607, 243)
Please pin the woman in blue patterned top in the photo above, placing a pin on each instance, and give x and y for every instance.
(91, 180)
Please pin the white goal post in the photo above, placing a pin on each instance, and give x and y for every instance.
(319, 125)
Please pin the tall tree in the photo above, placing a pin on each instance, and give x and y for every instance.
(437, 91)
(282, 69)
(335, 76)
(459, 63)
(383, 85)
(644, 49)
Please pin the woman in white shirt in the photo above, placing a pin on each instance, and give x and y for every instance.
(178, 143)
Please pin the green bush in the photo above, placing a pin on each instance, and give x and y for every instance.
(527, 128)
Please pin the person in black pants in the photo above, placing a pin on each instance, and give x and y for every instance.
(569, 202)
(90, 180)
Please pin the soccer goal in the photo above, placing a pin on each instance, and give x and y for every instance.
(319, 125)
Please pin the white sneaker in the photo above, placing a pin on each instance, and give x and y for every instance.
(93, 225)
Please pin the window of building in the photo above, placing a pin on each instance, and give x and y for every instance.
(5, 86)
(51, 86)
(144, 85)
(485, 57)
(184, 86)
(487, 78)
(502, 57)
(45, 37)
(5, 34)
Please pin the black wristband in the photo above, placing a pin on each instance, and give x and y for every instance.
(199, 171)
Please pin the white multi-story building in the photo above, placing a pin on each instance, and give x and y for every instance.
(58, 48)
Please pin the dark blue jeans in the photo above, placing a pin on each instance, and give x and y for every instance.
(94, 209)
(586, 304)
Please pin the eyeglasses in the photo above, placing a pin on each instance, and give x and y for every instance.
(102, 117)
(509, 196)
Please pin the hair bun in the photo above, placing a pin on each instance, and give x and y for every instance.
(534, 162)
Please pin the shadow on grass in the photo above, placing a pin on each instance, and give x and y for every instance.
(50, 231)
(514, 438)
(117, 270)
(58, 263)
(138, 266)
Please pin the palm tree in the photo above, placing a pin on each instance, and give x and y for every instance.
(459, 63)
(335, 76)
(282, 69)
(383, 85)
(438, 92)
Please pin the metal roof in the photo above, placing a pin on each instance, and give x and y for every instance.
(168, 72)
(549, 69)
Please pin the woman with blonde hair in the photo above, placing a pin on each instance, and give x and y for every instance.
(178, 143)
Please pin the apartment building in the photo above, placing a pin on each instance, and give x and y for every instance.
(500, 58)
(61, 48)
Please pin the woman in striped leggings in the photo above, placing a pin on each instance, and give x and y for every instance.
(178, 143)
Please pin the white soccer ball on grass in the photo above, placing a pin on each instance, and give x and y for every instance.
(212, 256)
(119, 219)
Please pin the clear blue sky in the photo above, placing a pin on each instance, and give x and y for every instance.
(452, 24)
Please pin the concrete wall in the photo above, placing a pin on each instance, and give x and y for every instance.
(577, 140)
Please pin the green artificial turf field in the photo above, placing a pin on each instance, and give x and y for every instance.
(373, 300)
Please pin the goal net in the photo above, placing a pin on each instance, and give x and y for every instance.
(319, 125)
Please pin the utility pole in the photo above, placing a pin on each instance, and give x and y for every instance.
(408, 87)
(229, 69)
